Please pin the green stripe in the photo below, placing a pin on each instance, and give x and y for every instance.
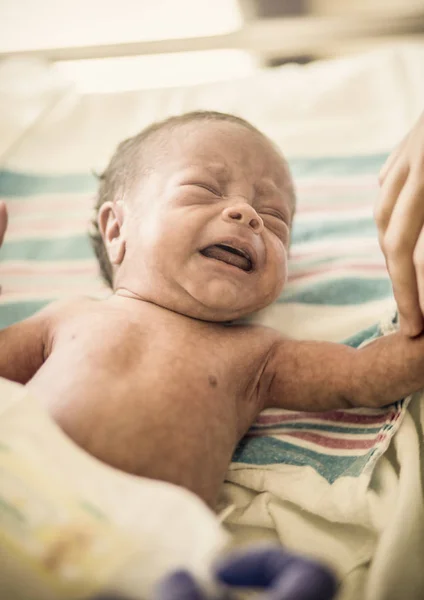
(369, 333)
(17, 311)
(76, 247)
(24, 183)
(340, 292)
(334, 166)
(306, 231)
(270, 451)
(13, 183)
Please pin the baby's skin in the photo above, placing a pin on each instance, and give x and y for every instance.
(159, 380)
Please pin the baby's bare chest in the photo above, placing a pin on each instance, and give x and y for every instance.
(166, 398)
(157, 369)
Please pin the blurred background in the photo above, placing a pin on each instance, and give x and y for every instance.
(117, 45)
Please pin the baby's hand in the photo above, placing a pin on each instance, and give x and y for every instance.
(3, 220)
(399, 214)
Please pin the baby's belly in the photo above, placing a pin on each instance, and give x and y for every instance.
(171, 424)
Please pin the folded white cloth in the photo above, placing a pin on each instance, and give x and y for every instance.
(347, 490)
(70, 525)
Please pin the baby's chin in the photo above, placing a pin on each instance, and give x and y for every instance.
(220, 303)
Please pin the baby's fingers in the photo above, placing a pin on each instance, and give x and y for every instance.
(418, 259)
(3, 220)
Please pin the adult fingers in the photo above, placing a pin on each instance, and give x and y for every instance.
(398, 244)
(418, 259)
(388, 196)
(180, 585)
(391, 160)
(303, 581)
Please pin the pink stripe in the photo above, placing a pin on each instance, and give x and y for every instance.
(39, 269)
(322, 185)
(68, 202)
(334, 416)
(327, 442)
(30, 293)
(330, 249)
(52, 224)
(302, 207)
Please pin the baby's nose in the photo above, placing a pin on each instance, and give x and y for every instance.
(244, 214)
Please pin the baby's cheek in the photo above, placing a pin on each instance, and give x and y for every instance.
(280, 275)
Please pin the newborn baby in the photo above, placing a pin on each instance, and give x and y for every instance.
(161, 379)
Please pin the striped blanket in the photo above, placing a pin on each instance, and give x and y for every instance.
(337, 285)
(335, 259)
(336, 267)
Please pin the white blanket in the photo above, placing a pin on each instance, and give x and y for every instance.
(365, 520)
(70, 525)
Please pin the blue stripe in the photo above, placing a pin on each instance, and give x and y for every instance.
(269, 451)
(76, 247)
(24, 183)
(343, 228)
(369, 333)
(334, 166)
(344, 291)
(13, 312)
(13, 183)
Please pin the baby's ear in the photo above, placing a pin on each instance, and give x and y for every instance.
(110, 220)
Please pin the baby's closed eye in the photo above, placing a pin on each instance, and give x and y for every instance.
(275, 221)
(210, 188)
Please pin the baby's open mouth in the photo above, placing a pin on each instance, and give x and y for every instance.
(230, 255)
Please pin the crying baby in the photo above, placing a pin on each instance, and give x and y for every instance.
(161, 379)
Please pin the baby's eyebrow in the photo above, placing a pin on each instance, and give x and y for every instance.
(220, 170)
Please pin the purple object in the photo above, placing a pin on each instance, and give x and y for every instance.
(279, 573)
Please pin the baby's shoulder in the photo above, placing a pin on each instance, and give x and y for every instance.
(60, 311)
(70, 305)
(259, 339)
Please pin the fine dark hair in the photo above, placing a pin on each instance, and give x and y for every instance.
(125, 168)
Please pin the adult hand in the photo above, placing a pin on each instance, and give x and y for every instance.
(399, 214)
(283, 575)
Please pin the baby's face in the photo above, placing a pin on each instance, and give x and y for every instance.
(207, 232)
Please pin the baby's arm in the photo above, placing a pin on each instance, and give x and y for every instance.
(24, 347)
(320, 376)
(21, 345)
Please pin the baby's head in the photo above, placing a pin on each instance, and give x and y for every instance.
(194, 214)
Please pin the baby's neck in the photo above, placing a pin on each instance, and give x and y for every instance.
(129, 300)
